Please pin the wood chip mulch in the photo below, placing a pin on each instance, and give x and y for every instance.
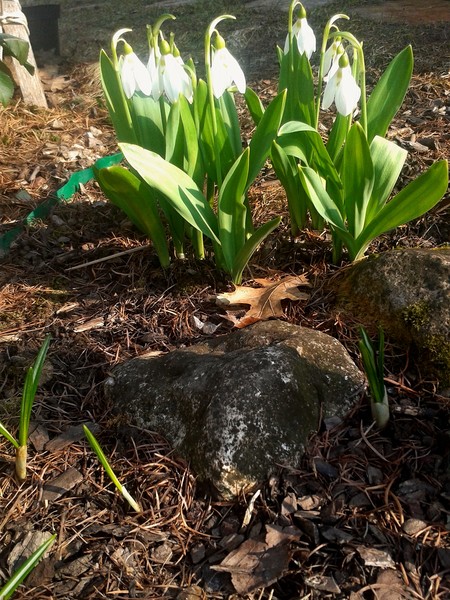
(366, 513)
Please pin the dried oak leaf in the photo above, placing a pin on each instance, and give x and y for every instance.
(256, 564)
(264, 301)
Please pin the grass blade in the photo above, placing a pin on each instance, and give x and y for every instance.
(105, 464)
(18, 576)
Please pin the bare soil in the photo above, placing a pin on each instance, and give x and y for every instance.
(366, 513)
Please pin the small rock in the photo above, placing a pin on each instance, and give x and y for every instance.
(413, 526)
(373, 557)
(335, 535)
(323, 583)
(198, 553)
(162, 553)
(230, 542)
(325, 468)
(374, 475)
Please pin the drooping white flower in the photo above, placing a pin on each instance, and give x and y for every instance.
(342, 89)
(225, 69)
(331, 58)
(133, 73)
(304, 35)
(152, 68)
(172, 78)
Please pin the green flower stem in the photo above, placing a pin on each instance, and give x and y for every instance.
(292, 8)
(212, 105)
(158, 24)
(115, 61)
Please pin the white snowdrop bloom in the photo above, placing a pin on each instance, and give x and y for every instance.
(331, 58)
(225, 70)
(304, 35)
(342, 89)
(173, 79)
(133, 73)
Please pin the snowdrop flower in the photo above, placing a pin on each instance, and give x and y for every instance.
(331, 58)
(303, 33)
(342, 89)
(152, 68)
(225, 69)
(172, 78)
(133, 74)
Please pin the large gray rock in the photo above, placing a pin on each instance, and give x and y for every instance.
(238, 405)
(408, 292)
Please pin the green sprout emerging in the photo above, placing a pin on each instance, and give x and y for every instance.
(373, 364)
(105, 464)
(25, 569)
(28, 395)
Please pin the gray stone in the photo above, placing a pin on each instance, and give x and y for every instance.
(240, 404)
(407, 292)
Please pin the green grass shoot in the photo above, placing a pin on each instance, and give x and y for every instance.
(29, 392)
(105, 464)
(373, 364)
(25, 569)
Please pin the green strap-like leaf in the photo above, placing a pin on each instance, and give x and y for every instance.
(6, 434)
(203, 124)
(357, 178)
(287, 172)
(232, 209)
(29, 392)
(264, 135)
(388, 94)
(194, 164)
(412, 202)
(246, 252)
(147, 123)
(318, 195)
(138, 202)
(231, 121)
(388, 160)
(337, 136)
(116, 101)
(254, 105)
(325, 205)
(25, 569)
(178, 188)
(296, 77)
(93, 443)
(302, 140)
(174, 137)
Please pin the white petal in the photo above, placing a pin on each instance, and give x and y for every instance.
(347, 93)
(175, 79)
(306, 40)
(236, 73)
(333, 70)
(141, 75)
(330, 92)
(225, 70)
(328, 58)
(127, 77)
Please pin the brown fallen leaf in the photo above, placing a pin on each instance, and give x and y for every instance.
(264, 301)
(255, 565)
